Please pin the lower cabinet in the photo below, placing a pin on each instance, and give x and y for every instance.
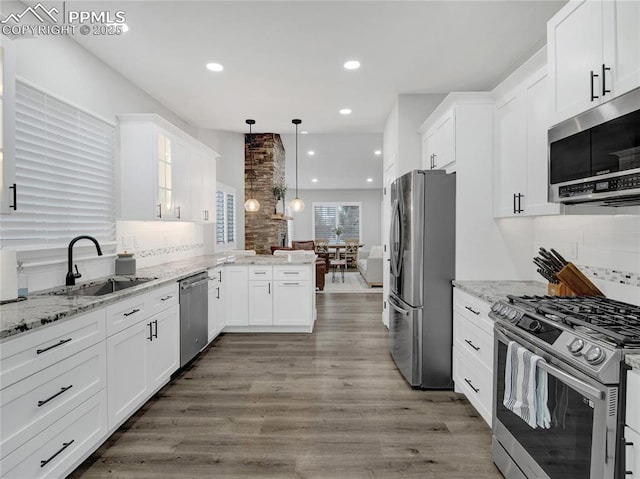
(292, 303)
(632, 429)
(260, 303)
(473, 352)
(216, 303)
(140, 360)
(236, 295)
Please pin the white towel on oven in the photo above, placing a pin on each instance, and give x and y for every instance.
(525, 387)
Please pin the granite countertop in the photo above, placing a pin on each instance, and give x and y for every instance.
(633, 360)
(492, 291)
(44, 307)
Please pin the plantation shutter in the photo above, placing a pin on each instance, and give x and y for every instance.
(220, 217)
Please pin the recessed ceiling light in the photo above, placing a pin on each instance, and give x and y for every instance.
(215, 67)
(345, 111)
(314, 180)
(369, 180)
(304, 132)
(311, 152)
(352, 65)
(377, 152)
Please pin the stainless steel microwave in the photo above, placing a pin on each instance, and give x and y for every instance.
(595, 157)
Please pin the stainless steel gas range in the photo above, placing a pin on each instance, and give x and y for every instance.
(583, 341)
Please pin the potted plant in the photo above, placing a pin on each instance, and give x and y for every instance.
(338, 230)
(279, 190)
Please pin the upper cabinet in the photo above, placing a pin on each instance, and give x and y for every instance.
(438, 151)
(164, 173)
(521, 116)
(594, 54)
(8, 191)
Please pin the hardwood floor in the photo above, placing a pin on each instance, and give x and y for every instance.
(325, 405)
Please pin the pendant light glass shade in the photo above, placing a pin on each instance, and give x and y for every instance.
(251, 205)
(296, 205)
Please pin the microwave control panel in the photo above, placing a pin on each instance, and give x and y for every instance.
(620, 183)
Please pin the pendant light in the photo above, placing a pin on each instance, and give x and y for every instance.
(296, 204)
(251, 205)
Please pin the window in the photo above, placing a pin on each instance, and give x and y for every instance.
(225, 215)
(329, 216)
(64, 172)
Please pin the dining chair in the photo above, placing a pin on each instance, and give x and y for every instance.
(322, 248)
(351, 249)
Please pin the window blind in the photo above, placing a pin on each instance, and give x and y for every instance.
(327, 217)
(220, 217)
(231, 219)
(64, 173)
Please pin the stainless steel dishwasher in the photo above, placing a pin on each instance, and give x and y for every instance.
(193, 316)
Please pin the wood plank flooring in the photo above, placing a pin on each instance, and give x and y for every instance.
(325, 405)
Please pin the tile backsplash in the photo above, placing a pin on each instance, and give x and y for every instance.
(605, 248)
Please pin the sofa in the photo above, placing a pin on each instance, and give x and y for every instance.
(370, 266)
(321, 268)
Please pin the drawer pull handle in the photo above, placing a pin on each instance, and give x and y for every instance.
(64, 446)
(42, 403)
(628, 443)
(291, 284)
(150, 338)
(62, 341)
(155, 335)
(218, 292)
(259, 272)
(475, 390)
(476, 348)
(291, 272)
(166, 298)
(472, 310)
(133, 311)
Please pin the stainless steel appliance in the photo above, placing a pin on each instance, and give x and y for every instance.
(422, 262)
(595, 157)
(583, 341)
(193, 316)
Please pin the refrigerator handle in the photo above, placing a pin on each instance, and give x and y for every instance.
(396, 235)
(398, 308)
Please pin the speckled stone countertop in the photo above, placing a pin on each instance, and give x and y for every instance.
(492, 291)
(633, 360)
(43, 307)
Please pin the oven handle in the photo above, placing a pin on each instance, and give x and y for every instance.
(580, 386)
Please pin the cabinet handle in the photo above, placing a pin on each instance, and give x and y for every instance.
(291, 284)
(150, 338)
(604, 88)
(178, 215)
(476, 348)
(218, 292)
(63, 389)
(475, 390)
(434, 161)
(15, 197)
(220, 276)
(472, 310)
(291, 272)
(520, 196)
(64, 446)
(627, 443)
(269, 289)
(159, 210)
(155, 335)
(62, 341)
(514, 204)
(259, 272)
(593, 96)
(133, 311)
(166, 298)
(205, 214)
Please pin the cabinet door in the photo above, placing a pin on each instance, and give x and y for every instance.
(292, 304)
(181, 182)
(236, 279)
(445, 154)
(260, 303)
(163, 346)
(139, 171)
(215, 308)
(510, 154)
(7, 127)
(428, 147)
(574, 38)
(127, 376)
(632, 454)
(537, 119)
(197, 173)
(209, 188)
(621, 31)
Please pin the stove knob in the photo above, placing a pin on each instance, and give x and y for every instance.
(576, 346)
(504, 310)
(534, 326)
(595, 355)
(512, 315)
(496, 307)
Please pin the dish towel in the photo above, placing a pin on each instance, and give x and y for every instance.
(526, 387)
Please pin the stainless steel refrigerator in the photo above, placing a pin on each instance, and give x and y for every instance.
(422, 262)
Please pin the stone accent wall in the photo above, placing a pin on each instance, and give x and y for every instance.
(260, 230)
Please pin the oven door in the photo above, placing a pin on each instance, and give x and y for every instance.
(581, 441)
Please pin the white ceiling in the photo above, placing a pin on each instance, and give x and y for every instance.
(284, 60)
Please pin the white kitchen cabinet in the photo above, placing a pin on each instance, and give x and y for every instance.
(520, 138)
(632, 429)
(594, 54)
(260, 303)
(158, 163)
(292, 303)
(236, 290)
(202, 167)
(8, 190)
(438, 141)
(473, 351)
(216, 303)
(163, 347)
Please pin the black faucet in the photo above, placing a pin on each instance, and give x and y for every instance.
(71, 276)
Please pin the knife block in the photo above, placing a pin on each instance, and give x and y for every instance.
(577, 282)
(559, 289)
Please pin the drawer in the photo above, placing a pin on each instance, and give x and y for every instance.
(633, 400)
(31, 352)
(127, 312)
(58, 449)
(632, 454)
(33, 404)
(260, 272)
(216, 274)
(286, 273)
(475, 340)
(163, 298)
(470, 306)
(475, 381)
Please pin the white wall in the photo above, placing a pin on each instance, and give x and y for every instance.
(605, 248)
(370, 214)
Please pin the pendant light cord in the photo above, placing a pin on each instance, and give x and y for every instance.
(296, 160)
(251, 173)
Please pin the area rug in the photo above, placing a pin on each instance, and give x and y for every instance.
(353, 283)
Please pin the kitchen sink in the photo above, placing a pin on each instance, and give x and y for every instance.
(100, 288)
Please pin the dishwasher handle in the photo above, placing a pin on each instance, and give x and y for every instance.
(184, 287)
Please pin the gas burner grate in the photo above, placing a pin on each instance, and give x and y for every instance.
(613, 321)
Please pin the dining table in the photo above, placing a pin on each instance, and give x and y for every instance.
(336, 247)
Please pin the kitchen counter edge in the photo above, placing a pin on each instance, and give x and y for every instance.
(492, 291)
